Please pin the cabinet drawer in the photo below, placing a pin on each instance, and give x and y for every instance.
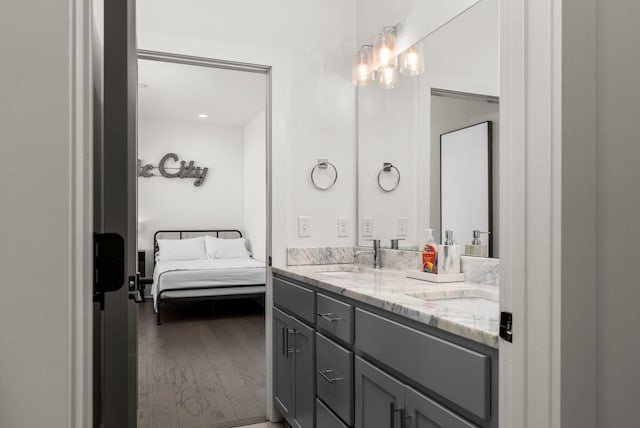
(326, 419)
(295, 299)
(456, 373)
(334, 377)
(334, 317)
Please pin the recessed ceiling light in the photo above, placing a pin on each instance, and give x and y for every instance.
(142, 86)
(203, 116)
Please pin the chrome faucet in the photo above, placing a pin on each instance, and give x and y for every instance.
(394, 243)
(377, 259)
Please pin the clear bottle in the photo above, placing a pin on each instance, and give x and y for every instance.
(430, 253)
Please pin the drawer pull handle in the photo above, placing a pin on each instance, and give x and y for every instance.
(288, 350)
(327, 316)
(324, 374)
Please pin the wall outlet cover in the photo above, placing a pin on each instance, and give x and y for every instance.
(343, 227)
(304, 227)
(367, 226)
(402, 226)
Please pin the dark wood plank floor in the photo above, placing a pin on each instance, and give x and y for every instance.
(203, 367)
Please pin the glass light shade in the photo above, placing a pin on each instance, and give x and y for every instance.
(412, 61)
(384, 49)
(361, 68)
(388, 77)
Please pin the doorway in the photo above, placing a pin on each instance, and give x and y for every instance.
(204, 235)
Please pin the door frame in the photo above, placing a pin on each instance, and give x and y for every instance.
(547, 213)
(267, 71)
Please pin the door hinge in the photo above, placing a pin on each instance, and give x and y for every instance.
(506, 323)
(270, 261)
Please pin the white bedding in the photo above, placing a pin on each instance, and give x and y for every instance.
(209, 273)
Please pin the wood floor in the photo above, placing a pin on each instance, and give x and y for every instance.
(203, 367)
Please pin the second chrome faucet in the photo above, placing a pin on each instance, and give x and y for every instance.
(377, 256)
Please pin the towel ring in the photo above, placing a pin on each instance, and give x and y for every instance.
(387, 167)
(324, 164)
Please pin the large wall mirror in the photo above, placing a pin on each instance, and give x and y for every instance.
(445, 182)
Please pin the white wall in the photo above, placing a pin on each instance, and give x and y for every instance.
(618, 211)
(309, 45)
(388, 132)
(255, 186)
(176, 203)
(45, 229)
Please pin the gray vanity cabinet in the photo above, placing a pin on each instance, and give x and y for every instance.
(294, 369)
(422, 412)
(385, 402)
(362, 367)
(379, 398)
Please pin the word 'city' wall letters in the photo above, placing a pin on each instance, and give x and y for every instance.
(186, 170)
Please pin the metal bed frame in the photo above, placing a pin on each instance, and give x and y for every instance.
(194, 234)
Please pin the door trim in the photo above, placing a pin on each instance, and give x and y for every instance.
(270, 411)
(80, 409)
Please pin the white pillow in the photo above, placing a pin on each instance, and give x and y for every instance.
(217, 248)
(182, 249)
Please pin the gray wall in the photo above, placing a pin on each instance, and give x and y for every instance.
(36, 266)
(618, 212)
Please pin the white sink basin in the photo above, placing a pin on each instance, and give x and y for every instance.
(337, 272)
(476, 305)
(476, 301)
(345, 271)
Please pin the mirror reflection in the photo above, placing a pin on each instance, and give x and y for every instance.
(439, 131)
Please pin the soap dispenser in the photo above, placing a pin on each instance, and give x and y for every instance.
(476, 248)
(430, 253)
(449, 256)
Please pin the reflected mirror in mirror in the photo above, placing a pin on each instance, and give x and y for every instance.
(458, 88)
(465, 185)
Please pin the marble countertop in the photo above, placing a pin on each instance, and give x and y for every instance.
(392, 291)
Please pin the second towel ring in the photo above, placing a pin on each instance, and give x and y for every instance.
(387, 167)
(324, 164)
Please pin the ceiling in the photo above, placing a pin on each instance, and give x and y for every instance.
(178, 92)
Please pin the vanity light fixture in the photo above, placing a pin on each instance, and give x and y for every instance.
(412, 61)
(384, 48)
(362, 66)
(203, 115)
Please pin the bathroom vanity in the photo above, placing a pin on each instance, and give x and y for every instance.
(365, 348)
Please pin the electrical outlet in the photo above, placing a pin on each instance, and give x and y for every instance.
(343, 227)
(402, 225)
(367, 226)
(304, 227)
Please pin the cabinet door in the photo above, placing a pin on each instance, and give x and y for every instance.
(304, 379)
(283, 353)
(422, 412)
(379, 398)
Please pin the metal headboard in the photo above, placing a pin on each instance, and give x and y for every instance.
(191, 234)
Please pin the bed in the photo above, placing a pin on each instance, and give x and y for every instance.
(182, 273)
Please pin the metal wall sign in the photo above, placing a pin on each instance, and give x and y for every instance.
(185, 170)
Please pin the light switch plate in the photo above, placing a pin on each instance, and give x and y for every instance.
(304, 227)
(343, 227)
(402, 224)
(367, 226)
